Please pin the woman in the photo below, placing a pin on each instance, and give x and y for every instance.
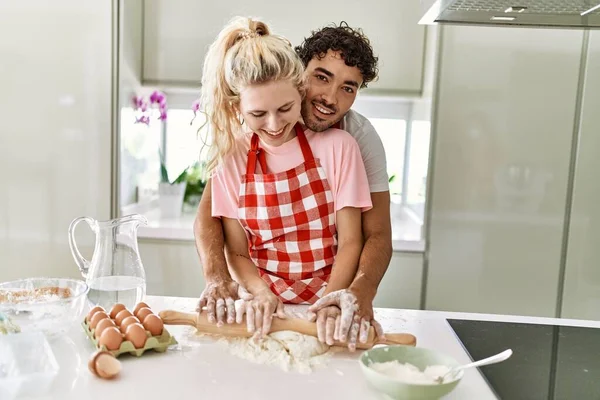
(290, 199)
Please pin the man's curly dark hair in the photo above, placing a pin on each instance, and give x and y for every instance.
(354, 46)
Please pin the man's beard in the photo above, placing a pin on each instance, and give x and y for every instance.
(311, 121)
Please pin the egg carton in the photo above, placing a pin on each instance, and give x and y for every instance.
(158, 343)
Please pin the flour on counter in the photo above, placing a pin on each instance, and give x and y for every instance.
(411, 374)
(287, 350)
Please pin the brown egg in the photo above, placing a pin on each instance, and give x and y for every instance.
(128, 321)
(111, 338)
(115, 310)
(104, 365)
(102, 325)
(122, 315)
(153, 324)
(92, 312)
(136, 334)
(143, 313)
(138, 306)
(97, 317)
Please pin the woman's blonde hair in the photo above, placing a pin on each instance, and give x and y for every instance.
(244, 53)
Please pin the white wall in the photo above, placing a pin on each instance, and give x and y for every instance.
(582, 278)
(503, 131)
(173, 269)
(55, 136)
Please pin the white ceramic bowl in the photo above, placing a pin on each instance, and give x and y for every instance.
(417, 356)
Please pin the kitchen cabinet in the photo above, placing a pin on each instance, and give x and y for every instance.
(581, 296)
(173, 269)
(177, 34)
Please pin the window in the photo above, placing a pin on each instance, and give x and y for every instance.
(139, 158)
(407, 155)
(406, 142)
(182, 145)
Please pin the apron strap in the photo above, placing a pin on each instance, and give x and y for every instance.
(254, 153)
(304, 146)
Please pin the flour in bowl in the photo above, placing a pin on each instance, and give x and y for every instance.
(411, 374)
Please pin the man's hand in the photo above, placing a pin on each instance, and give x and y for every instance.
(356, 316)
(218, 297)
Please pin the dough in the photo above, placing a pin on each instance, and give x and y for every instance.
(288, 350)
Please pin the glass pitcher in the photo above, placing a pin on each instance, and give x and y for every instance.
(115, 274)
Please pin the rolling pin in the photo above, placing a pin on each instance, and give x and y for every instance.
(200, 321)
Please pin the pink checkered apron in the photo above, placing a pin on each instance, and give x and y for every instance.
(290, 224)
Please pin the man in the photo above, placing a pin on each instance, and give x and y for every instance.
(339, 61)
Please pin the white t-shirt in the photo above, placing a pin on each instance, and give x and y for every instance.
(371, 149)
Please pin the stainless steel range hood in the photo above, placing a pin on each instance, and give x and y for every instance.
(522, 13)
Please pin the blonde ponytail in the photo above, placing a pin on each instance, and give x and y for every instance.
(244, 53)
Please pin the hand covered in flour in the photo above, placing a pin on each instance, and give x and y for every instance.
(356, 316)
(259, 311)
(218, 297)
(328, 323)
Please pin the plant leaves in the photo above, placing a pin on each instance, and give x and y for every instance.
(182, 177)
(164, 175)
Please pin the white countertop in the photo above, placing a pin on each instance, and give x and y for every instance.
(199, 369)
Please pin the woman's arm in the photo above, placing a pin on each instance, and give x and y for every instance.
(242, 268)
(264, 304)
(350, 243)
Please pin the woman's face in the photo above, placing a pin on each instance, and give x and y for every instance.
(271, 110)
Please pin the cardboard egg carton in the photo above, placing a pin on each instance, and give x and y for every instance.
(157, 343)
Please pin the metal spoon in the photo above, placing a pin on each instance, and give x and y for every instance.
(486, 361)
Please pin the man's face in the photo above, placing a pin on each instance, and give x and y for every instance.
(332, 88)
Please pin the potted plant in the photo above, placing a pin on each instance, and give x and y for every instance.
(170, 192)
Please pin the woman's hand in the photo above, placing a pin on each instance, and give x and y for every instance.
(259, 311)
(328, 323)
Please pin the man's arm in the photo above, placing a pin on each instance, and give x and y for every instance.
(377, 251)
(356, 302)
(221, 290)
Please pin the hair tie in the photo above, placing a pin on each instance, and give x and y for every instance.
(249, 35)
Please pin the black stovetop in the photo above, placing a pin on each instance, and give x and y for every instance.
(548, 362)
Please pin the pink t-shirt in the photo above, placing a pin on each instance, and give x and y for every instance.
(337, 151)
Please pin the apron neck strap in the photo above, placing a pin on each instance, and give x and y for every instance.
(254, 153)
(304, 146)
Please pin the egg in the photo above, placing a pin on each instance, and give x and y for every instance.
(116, 309)
(122, 315)
(136, 334)
(92, 312)
(143, 313)
(102, 325)
(128, 321)
(111, 338)
(153, 324)
(97, 317)
(138, 306)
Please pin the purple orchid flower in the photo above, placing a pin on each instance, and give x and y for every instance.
(163, 115)
(144, 119)
(158, 98)
(139, 103)
(196, 106)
